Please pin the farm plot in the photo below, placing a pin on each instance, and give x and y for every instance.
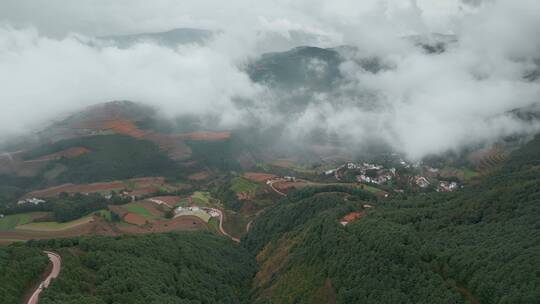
(55, 226)
(244, 188)
(259, 177)
(203, 215)
(10, 222)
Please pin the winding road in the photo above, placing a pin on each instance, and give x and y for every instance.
(221, 225)
(56, 266)
(271, 184)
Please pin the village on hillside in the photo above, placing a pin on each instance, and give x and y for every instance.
(410, 177)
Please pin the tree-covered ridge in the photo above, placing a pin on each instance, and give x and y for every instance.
(155, 268)
(20, 267)
(480, 245)
(112, 157)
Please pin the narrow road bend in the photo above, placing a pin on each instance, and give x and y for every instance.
(55, 271)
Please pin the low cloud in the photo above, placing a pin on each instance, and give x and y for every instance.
(421, 104)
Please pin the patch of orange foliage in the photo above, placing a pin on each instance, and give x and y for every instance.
(206, 135)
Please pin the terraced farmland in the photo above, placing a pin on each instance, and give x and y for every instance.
(491, 159)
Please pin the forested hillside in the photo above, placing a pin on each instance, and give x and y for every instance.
(111, 157)
(479, 245)
(20, 267)
(157, 268)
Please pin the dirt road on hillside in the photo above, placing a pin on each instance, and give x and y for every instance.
(221, 218)
(56, 266)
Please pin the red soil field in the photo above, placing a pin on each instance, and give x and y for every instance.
(122, 126)
(134, 219)
(206, 135)
(259, 177)
(174, 147)
(179, 223)
(199, 176)
(353, 216)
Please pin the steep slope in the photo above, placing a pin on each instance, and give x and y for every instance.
(159, 268)
(479, 245)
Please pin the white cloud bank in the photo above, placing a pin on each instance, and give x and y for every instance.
(426, 104)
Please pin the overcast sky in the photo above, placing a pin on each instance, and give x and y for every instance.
(428, 104)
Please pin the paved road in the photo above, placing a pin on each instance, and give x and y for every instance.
(56, 266)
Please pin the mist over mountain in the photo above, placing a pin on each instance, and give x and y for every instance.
(284, 151)
(402, 86)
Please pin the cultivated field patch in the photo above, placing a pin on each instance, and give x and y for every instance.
(55, 226)
(259, 177)
(244, 187)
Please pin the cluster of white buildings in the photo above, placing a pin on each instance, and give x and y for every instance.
(421, 181)
(34, 201)
(383, 175)
(181, 209)
(211, 212)
(445, 186)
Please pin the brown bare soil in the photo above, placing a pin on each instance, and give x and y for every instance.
(199, 176)
(206, 135)
(134, 219)
(353, 216)
(122, 126)
(286, 186)
(115, 123)
(179, 223)
(259, 177)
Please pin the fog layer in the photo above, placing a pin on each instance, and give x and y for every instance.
(421, 103)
